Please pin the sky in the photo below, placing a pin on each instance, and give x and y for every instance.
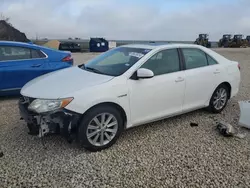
(128, 19)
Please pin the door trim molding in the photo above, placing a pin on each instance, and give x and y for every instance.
(167, 116)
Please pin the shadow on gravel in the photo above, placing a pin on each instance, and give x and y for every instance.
(8, 98)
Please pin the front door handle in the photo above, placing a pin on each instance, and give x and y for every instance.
(217, 71)
(179, 79)
(36, 65)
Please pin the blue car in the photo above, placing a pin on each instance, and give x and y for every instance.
(22, 62)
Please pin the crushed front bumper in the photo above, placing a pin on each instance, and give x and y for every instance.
(61, 121)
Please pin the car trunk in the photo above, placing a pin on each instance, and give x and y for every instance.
(59, 56)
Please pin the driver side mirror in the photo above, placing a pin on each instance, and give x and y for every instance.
(144, 73)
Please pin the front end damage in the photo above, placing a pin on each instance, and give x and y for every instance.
(60, 121)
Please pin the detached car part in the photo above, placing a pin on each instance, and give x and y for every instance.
(228, 130)
(244, 114)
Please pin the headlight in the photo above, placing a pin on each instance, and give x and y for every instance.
(46, 105)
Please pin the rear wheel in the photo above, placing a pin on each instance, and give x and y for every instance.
(208, 44)
(226, 44)
(100, 128)
(219, 99)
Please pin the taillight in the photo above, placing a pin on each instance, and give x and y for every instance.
(67, 58)
(239, 66)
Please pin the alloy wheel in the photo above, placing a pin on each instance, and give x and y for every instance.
(220, 99)
(102, 129)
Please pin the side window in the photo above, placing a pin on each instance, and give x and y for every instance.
(211, 61)
(166, 61)
(14, 53)
(194, 58)
(2, 53)
(41, 54)
(157, 56)
(36, 54)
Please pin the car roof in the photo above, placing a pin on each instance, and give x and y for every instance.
(14, 43)
(159, 46)
(31, 45)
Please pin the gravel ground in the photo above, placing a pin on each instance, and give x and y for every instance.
(166, 153)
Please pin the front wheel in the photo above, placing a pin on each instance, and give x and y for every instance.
(100, 128)
(219, 99)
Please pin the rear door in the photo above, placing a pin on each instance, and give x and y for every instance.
(202, 77)
(18, 65)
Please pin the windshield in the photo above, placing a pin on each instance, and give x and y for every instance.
(238, 36)
(116, 61)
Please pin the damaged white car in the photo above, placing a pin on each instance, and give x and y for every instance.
(125, 87)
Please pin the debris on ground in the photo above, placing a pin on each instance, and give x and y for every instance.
(1, 154)
(228, 130)
(244, 120)
(194, 124)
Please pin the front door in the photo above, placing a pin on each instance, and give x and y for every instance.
(161, 95)
(19, 65)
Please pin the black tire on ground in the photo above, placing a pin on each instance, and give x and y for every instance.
(82, 130)
(226, 44)
(211, 106)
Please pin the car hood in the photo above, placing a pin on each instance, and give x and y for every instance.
(60, 83)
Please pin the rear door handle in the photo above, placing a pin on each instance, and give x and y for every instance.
(36, 65)
(179, 79)
(216, 71)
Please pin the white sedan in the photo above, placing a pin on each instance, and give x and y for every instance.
(127, 86)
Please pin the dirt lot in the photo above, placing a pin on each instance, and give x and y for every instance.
(166, 153)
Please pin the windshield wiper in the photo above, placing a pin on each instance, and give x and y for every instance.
(82, 66)
(93, 70)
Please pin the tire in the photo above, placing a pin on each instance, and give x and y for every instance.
(208, 45)
(226, 44)
(213, 105)
(88, 127)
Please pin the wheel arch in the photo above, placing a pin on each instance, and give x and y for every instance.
(228, 85)
(113, 104)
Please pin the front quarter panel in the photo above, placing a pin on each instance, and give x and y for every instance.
(114, 91)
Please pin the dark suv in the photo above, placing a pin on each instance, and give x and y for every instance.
(70, 46)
